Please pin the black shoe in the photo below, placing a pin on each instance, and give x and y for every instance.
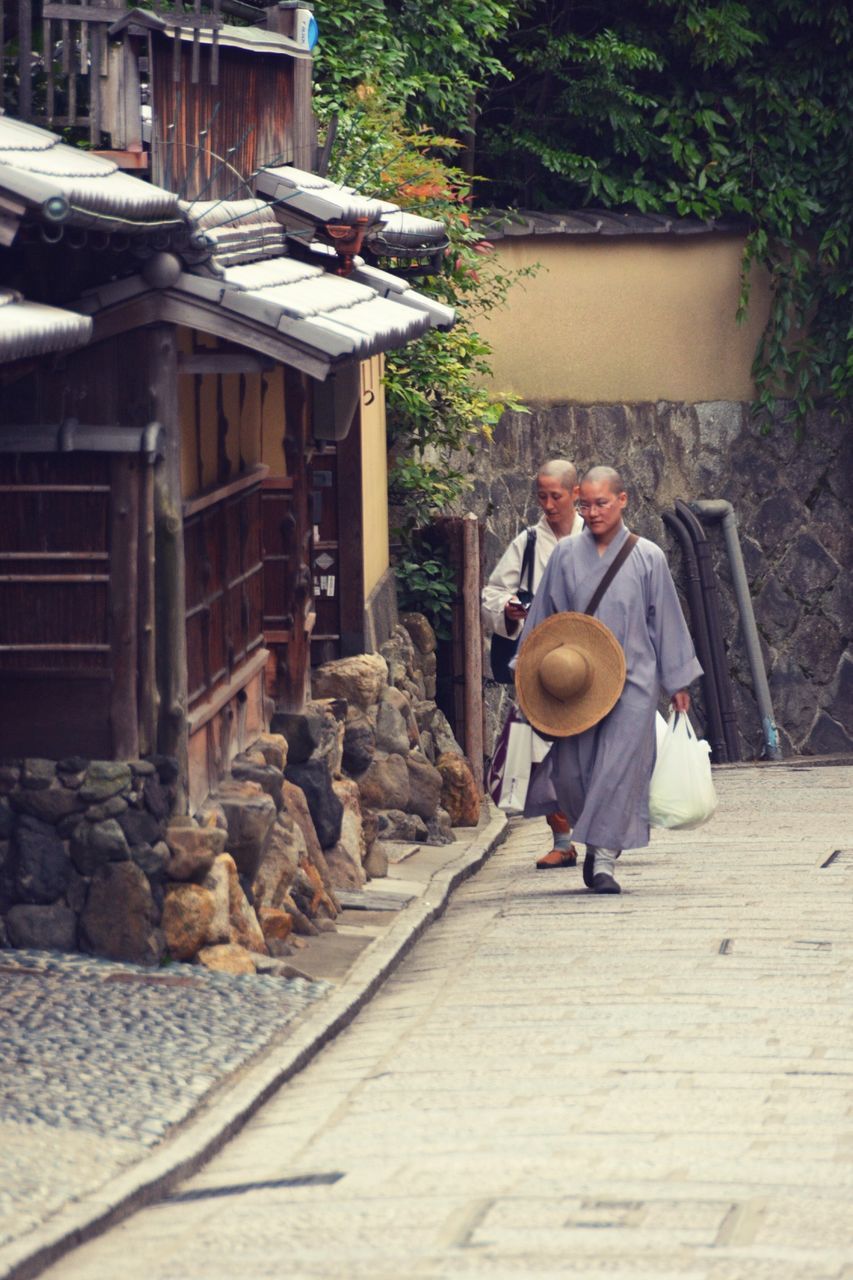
(589, 868)
(603, 883)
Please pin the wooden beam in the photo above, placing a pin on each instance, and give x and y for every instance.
(223, 362)
(148, 697)
(161, 367)
(205, 711)
(124, 545)
(254, 476)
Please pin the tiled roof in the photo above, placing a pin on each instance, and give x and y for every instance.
(68, 184)
(296, 298)
(31, 329)
(304, 200)
(498, 224)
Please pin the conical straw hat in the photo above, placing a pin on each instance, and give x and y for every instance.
(569, 674)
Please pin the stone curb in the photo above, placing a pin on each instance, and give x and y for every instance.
(202, 1136)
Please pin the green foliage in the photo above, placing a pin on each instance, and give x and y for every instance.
(437, 405)
(425, 584)
(427, 59)
(705, 108)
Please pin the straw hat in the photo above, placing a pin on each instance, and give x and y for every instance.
(569, 674)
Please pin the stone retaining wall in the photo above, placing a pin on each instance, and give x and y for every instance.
(92, 859)
(794, 509)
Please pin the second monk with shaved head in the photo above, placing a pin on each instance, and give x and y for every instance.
(600, 778)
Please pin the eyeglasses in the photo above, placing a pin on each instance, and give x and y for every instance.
(597, 504)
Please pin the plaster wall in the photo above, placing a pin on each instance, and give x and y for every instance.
(626, 320)
(374, 474)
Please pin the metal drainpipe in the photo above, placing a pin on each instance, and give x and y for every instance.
(711, 597)
(700, 634)
(720, 509)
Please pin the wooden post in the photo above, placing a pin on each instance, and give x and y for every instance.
(304, 126)
(350, 494)
(295, 665)
(148, 696)
(171, 602)
(473, 648)
(124, 551)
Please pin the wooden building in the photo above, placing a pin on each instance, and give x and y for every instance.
(192, 436)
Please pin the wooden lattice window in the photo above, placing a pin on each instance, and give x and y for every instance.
(224, 575)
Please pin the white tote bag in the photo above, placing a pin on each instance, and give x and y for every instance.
(518, 749)
(682, 792)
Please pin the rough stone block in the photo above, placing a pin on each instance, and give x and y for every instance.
(245, 930)
(42, 861)
(36, 775)
(227, 958)
(359, 679)
(193, 850)
(273, 747)
(280, 861)
(459, 794)
(345, 869)
(315, 781)
(218, 884)
(301, 732)
(827, 737)
(267, 776)
(45, 928)
(50, 804)
(119, 917)
(376, 862)
(420, 631)
(352, 829)
(112, 808)
(359, 745)
(394, 824)
(385, 785)
(250, 814)
(425, 783)
(187, 914)
(140, 827)
(392, 732)
(276, 924)
(105, 778)
(153, 859)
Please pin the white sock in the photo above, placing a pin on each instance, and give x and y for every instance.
(605, 861)
(563, 841)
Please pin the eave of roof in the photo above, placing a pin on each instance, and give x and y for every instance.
(66, 184)
(498, 224)
(32, 329)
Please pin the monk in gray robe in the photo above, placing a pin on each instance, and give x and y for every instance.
(600, 778)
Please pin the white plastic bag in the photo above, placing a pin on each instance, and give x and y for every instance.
(682, 792)
(517, 749)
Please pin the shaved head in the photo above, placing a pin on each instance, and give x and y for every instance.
(561, 470)
(605, 475)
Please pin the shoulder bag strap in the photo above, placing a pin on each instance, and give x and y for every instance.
(527, 560)
(627, 547)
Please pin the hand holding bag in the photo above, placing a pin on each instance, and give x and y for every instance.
(517, 749)
(681, 793)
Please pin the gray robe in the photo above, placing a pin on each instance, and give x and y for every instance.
(600, 779)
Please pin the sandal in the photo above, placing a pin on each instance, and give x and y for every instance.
(558, 858)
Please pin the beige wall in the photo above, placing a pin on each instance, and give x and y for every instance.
(374, 472)
(631, 319)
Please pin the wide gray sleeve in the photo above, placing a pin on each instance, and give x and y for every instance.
(676, 658)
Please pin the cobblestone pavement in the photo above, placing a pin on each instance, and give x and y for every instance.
(555, 1084)
(98, 1060)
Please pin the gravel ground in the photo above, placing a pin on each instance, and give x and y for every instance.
(92, 1078)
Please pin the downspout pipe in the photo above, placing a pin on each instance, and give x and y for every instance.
(700, 635)
(710, 595)
(719, 509)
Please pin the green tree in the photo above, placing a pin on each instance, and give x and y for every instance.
(705, 108)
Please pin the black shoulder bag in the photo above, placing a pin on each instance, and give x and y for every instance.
(503, 648)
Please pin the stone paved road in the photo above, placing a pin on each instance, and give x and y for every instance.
(99, 1060)
(657, 1085)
